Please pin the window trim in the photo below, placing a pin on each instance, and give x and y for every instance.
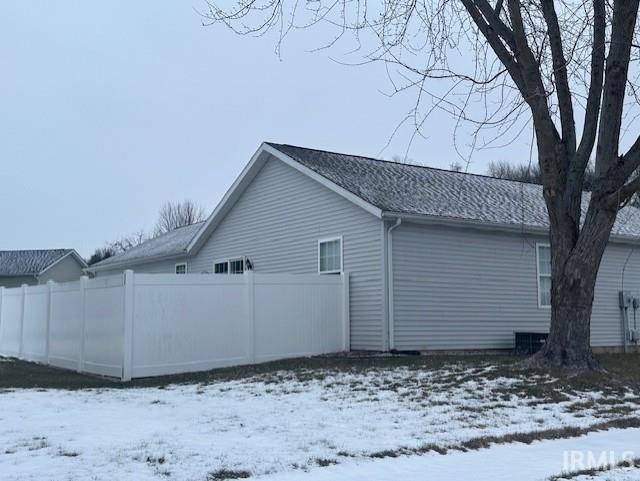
(228, 262)
(220, 261)
(331, 239)
(236, 259)
(538, 246)
(175, 268)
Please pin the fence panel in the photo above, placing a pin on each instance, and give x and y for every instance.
(65, 325)
(34, 330)
(187, 323)
(153, 324)
(297, 315)
(10, 321)
(103, 326)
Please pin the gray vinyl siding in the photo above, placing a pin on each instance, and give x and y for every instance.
(471, 289)
(606, 324)
(17, 281)
(277, 223)
(67, 270)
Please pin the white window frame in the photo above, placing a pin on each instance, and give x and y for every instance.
(236, 259)
(175, 268)
(538, 246)
(220, 261)
(331, 239)
(228, 262)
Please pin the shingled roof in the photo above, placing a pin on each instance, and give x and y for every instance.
(29, 262)
(172, 243)
(425, 191)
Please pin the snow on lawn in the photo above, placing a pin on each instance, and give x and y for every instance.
(622, 474)
(268, 424)
(538, 461)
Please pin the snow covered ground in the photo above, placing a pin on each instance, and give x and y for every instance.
(623, 474)
(538, 461)
(282, 425)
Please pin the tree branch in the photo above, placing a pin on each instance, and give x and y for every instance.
(594, 96)
(617, 65)
(490, 34)
(559, 63)
(535, 95)
(624, 194)
(492, 17)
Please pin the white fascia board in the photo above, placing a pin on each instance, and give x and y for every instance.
(73, 253)
(492, 226)
(134, 262)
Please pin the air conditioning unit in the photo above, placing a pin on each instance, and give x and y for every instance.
(530, 342)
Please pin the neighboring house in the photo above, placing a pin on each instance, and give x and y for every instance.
(438, 260)
(165, 253)
(39, 266)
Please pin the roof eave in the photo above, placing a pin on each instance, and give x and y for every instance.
(134, 262)
(72, 252)
(485, 225)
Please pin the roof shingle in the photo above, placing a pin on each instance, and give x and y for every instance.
(29, 262)
(427, 191)
(169, 244)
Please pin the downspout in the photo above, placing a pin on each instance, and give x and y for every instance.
(390, 314)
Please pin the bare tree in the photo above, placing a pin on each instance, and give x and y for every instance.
(128, 242)
(455, 166)
(500, 66)
(117, 247)
(100, 254)
(530, 173)
(178, 214)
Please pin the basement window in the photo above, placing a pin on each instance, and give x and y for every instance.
(181, 268)
(543, 255)
(330, 256)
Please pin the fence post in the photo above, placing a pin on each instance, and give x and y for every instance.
(346, 313)
(127, 338)
(24, 298)
(250, 286)
(47, 345)
(83, 321)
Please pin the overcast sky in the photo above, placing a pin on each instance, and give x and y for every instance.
(109, 109)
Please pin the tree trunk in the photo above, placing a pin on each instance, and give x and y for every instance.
(569, 343)
(574, 272)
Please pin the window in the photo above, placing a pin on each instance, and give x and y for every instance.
(232, 266)
(330, 256)
(181, 268)
(236, 266)
(221, 268)
(544, 275)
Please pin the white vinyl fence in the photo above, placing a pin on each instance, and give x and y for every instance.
(138, 325)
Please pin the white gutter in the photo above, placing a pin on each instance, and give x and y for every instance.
(134, 262)
(492, 226)
(389, 269)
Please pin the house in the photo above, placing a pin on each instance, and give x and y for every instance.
(438, 260)
(166, 253)
(39, 266)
